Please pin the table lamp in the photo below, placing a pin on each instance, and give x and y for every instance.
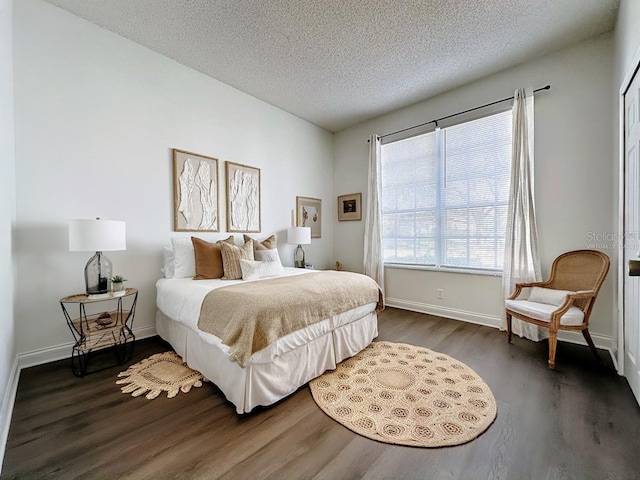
(99, 236)
(300, 236)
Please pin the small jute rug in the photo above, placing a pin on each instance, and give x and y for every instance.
(406, 395)
(162, 372)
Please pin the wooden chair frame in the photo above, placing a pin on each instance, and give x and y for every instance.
(579, 271)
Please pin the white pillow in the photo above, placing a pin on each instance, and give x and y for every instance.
(184, 261)
(270, 255)
(167, 264)
(548, 296)
(252, 270)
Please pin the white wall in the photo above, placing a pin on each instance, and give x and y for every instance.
(96, 119)
(627, 37)
(573, 168)
(7, 218)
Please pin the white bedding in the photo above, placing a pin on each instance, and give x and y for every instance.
(181, 298)
(271, 373)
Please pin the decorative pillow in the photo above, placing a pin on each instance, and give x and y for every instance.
(184, 264)
(208, 258)
(167, 263)
(252, 270)
(266, 244)
(268, 256)
(548, 296)
(231, 256)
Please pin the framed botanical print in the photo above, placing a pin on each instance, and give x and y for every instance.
(243, 198)
(195, 192)
(309, 214)
(350, 207)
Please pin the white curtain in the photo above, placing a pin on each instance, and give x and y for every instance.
(373, 261)
(521, 257)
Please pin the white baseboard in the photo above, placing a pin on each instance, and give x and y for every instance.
(439, 311)
(601, 341)
(60, 352)
(33, 358)
(7, 407)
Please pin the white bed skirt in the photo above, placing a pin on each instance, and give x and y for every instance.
(263, 382)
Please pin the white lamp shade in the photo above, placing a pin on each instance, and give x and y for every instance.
(299, 235)
(97, 235)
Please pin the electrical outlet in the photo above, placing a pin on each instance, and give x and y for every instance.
(439, 293)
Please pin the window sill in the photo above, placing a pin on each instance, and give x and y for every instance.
(466, 271)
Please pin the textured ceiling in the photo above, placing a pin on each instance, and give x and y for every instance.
(336, 63)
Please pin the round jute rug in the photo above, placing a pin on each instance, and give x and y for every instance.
(162, 372)
(407, 395)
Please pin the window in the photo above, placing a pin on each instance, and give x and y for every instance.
(444, 196)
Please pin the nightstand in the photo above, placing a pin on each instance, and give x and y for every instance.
(101, 323)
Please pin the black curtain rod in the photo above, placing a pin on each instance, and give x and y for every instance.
(547, 87)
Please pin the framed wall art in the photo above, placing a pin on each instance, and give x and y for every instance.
(195, 192)
(309, 214)
(243, 198)
(350, 207)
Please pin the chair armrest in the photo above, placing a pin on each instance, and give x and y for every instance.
(554, 321)
(583, 294)
(568, 302)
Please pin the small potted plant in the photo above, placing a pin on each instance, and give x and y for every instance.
(117, 283)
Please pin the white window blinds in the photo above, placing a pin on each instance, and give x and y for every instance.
(444, 195)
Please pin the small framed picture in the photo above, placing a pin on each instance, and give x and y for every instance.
(309, 214)
(350, 207)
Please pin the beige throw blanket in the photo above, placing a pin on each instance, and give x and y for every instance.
(250, 316)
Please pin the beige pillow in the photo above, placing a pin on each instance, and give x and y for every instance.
(266, 244)
(267, 256)
(208, 258)
(231, 256)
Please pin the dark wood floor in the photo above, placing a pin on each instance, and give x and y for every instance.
(577, 422)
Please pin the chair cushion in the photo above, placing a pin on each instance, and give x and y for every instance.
(549, 296)
(543, 311)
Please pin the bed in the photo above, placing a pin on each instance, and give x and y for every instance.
(267, 375)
